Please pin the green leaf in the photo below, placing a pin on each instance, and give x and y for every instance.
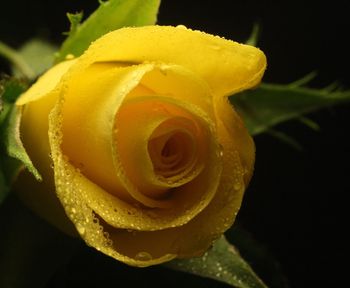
(16, 60)
(271, 104)
(261, 258)
(39, 56)
(309, 123)
(110, 15)
(222, 263)
(303, 81)
(283, 137)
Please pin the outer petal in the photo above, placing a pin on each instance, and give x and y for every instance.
(225, 65)
(39, 100)
(45, 84)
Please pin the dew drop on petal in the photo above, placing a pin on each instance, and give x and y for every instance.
(237, 185)
(143, 256)
(220, 152)
(70, 56)
(181, 26)
(81, 229)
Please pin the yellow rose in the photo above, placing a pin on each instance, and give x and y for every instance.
(138, 141)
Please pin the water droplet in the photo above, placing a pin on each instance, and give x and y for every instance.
(143, 256)
(81, 229)
(220, 152)
(237, 185)
(164, 69)
(70, 56)
(181, 26)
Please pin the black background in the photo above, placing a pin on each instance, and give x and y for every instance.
(296, 204)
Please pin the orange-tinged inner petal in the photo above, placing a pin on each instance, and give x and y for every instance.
(163, 153)
(172, 152)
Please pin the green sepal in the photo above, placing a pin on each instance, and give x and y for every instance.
(12, 140)
(13, 156)
(109, 16)
(223, 263)
(11, 88)
(271, 104)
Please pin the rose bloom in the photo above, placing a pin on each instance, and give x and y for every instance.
(137, 144)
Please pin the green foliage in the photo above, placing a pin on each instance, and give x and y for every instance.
(260, 257)
(30, 60)
(38, 55)
(223, 263)
(11, 88)
(12, 153)
(16, 60)
(111, 15)
(271, 104)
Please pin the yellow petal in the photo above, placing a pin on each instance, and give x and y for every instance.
(197, 235)
(225, 65)
(88, 143)
(45, 84)
(114, 225)
(39, 100)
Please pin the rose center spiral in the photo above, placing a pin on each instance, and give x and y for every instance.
(172, 153)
